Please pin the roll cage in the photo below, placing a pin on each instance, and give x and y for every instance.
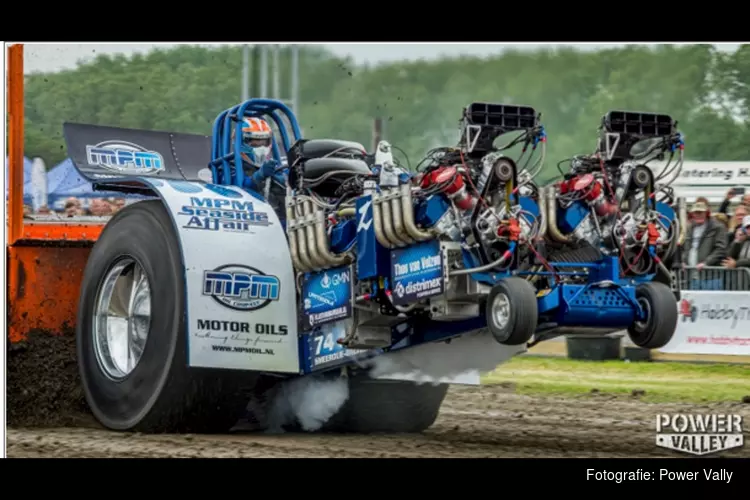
(225, 156)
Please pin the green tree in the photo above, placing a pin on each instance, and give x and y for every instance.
(183, 89)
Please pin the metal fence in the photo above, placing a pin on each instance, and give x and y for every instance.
(712, 278)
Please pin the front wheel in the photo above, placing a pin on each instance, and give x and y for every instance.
(660, 310)
(512, 311)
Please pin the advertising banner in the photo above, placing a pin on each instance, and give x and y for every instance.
(712, 323)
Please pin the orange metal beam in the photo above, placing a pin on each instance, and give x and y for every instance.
(15, 142)
(61, 232)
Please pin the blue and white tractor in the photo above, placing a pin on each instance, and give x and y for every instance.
(392, 283)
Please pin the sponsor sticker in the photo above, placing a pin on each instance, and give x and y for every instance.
(241, 288)
(217, 214)
(416, 272)
(124, 158)
(324, 346)
(326, 296)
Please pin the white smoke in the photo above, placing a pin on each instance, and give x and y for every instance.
(441, 362)
(310, 401)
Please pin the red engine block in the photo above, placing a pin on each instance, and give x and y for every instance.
(592, 192)
(456, 190)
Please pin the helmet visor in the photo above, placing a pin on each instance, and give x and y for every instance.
(255, 142)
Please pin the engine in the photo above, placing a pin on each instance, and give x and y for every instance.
(468, 206)
(611, 201)
(469, 215)
(475, 194)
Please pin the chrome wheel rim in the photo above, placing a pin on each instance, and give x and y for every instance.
(122, 319)
(501, 310)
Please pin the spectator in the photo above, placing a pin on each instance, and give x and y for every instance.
(723, 218)
(115, 204)
(705, 242)
(118, 204)
(736, 221)
(739, 252)
(724, 207)
(100, 208)
(72, 209)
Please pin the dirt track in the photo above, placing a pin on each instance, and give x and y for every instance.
(489, 421)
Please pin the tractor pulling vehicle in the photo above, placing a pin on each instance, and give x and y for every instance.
(205, 297)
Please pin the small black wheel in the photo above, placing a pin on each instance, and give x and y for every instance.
(512, 311)
(660, 308)
(131, 334)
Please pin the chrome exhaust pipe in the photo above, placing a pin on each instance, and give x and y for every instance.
(291, 231)
(398, 221)
(385, 206)
(312, 247)
(407, 210)
(377, 218)
(323, 248)
(542, 215)
(552, 228)
(304, 255)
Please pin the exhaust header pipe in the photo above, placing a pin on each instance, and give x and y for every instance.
(384, 200)
(393, 221)
(393, 214)
(407, 208)
(291, 231)
(308, 241)
(552, 228)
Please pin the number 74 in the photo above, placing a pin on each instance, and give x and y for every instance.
(324, 342)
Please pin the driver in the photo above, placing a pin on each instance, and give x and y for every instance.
(262, 171)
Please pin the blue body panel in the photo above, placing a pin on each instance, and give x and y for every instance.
(343, 236)
(372, 257)
(668, 213)
(530, 206)
(605, 300)
(429, 211)
(568, 219)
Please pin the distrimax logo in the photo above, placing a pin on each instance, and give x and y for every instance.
(124, 157)
(241, 288)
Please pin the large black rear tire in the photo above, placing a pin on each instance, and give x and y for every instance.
(387, 406)
(161, 394)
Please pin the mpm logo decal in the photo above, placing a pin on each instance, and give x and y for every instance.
(241, 288)
(124, 157)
